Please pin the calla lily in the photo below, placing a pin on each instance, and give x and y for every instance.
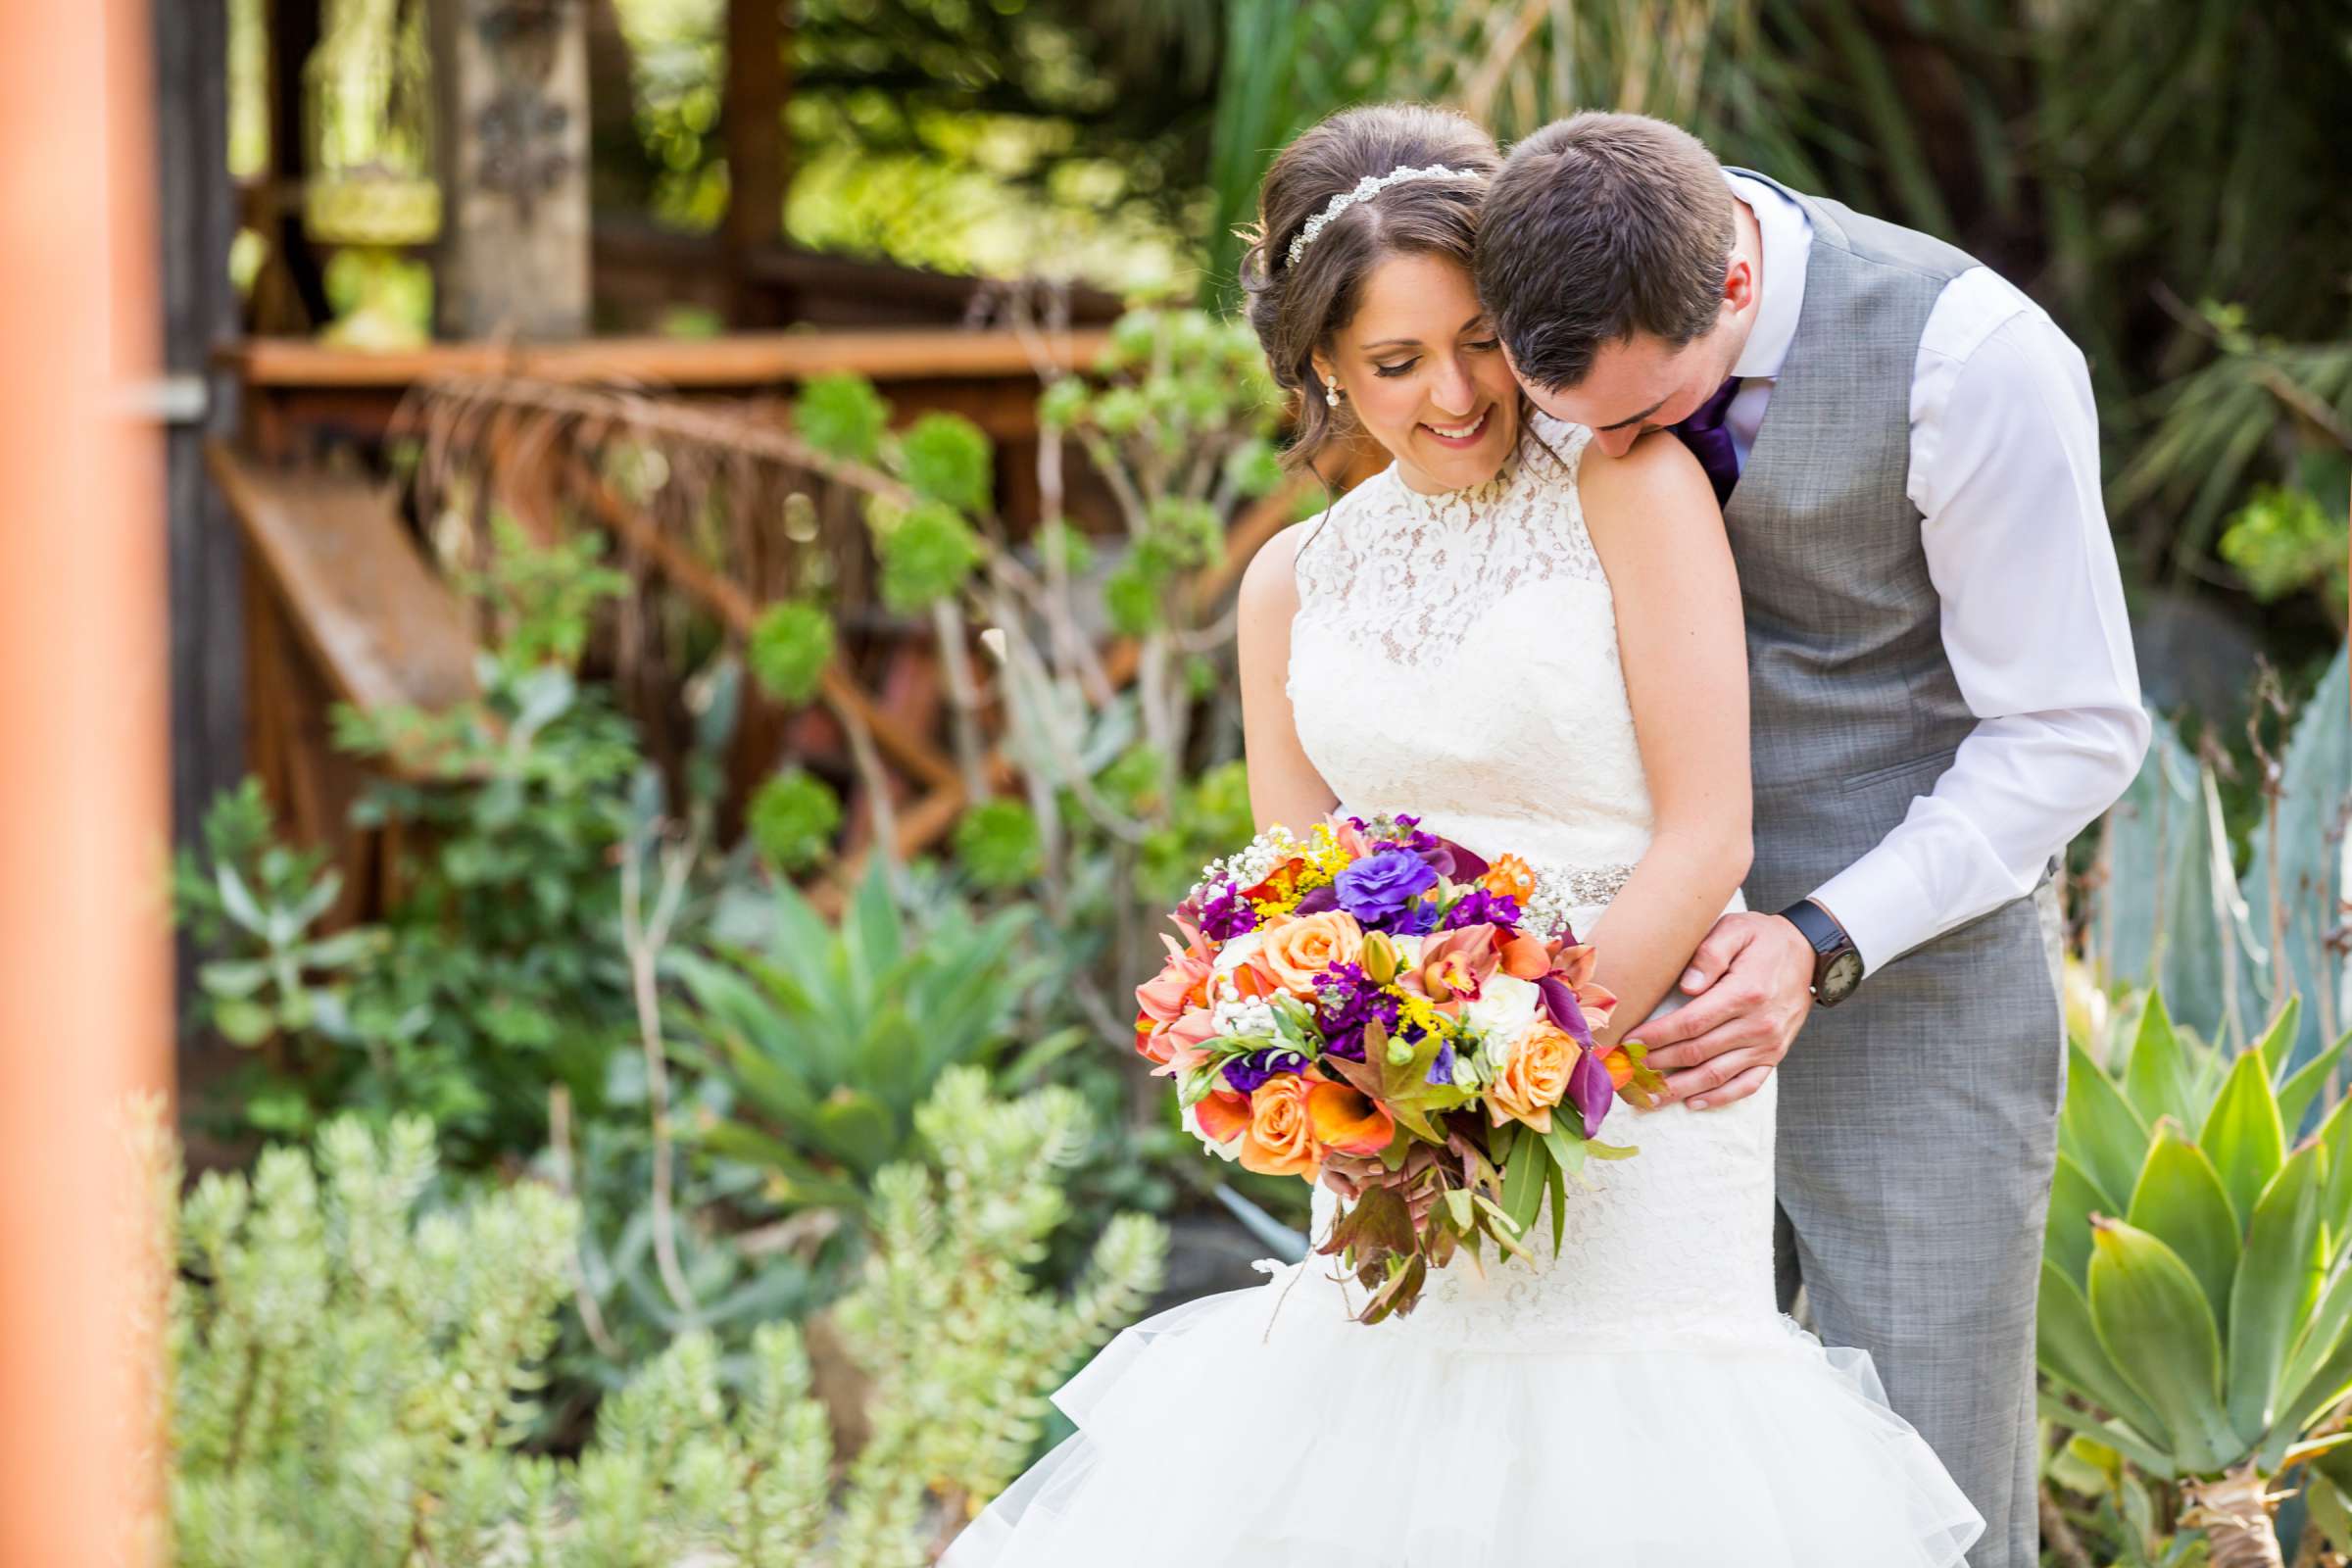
(1348, 1119)
(1523, 957)
(1314, 900)
(1560, 1002)
(1222, 1116)
(1591, 1092)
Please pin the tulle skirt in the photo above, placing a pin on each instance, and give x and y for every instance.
(1225, 1433)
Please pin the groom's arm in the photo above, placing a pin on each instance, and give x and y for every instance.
(2005, 473)
(2005, 470)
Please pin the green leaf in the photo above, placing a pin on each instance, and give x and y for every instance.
(2301, 1091)
(2242, 1135)
(2067, 1346)
(2100, 1128)
(2156, 1077)
(1567, 1145)
(1523, 1168)
(2278, 1041)
(1555, 1185)
(2074, 1198)
(2128, 1443)
(2321, 1335)
(243, 1022)
(2151, 1319)
(856, 1128)
(2180, 1201)
(2277, 1285)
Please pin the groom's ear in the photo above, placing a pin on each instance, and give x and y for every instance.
(1739, 286)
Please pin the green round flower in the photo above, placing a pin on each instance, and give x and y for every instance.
(998, 842)
(790, 649)
(792, 819)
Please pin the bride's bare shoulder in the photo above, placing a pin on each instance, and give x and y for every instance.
(1270, 582)
(1657, 481)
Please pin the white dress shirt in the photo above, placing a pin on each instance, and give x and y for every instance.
(2005, 473)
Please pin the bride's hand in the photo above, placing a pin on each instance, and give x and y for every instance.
(1752, 985)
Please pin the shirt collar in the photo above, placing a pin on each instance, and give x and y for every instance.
(1788, 243)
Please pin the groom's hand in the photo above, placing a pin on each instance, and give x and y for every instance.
(1752, 985)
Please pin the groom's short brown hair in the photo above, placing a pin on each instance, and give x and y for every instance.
(1600, 226)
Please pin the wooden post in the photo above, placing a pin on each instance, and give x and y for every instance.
(197, 209)
(752, 112)
(511, 98)
(84, 790)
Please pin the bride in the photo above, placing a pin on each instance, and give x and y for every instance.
(1536, 648)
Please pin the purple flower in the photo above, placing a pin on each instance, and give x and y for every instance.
(1227, 916)
(1345, 1002)
(1314, 900)
(1441, 1066)
(1559, 1000)
(1379, 885)
(1591, 1092)
(1242, 1074)
(1481, 906)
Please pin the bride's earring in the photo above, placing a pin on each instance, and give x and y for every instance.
(1331, 390)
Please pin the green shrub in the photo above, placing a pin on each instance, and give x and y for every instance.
(352, 1378)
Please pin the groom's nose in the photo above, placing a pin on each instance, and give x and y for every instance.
(1619, 441)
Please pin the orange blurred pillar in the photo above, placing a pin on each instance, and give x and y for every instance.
(85, 959)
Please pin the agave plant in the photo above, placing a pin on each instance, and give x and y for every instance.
(2168, 911)
(828, 1040)
(2196, 1281)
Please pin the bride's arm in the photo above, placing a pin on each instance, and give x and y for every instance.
(1283, 786)
(1681, 636)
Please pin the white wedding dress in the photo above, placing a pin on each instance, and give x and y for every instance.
(1637, 1401)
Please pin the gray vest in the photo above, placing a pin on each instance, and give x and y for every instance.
(1855, 708)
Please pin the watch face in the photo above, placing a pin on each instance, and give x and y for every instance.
(1838, 982)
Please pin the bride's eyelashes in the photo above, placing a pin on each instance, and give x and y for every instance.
(1482, 346)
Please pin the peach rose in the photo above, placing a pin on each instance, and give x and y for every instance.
(1300, 949)
(1534, 1078)
(1281, 1136)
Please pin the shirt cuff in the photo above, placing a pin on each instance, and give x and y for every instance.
(1882, 904)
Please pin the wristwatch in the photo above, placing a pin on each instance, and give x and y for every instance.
(1837, 967)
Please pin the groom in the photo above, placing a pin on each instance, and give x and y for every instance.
(1943, 695)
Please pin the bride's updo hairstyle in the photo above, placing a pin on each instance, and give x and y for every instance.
(1298, 307)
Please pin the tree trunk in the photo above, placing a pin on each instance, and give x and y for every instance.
(2235, 1512)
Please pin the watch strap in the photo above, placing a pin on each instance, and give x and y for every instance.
(1827, 937)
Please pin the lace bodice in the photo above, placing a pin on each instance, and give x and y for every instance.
(1456, 657)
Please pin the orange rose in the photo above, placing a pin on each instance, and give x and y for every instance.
(1298, 950)
(1534, 1078)
(1509, 876)
(1281, 1138)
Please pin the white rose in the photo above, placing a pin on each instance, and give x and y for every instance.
(1233, 955)
(1506, 1005)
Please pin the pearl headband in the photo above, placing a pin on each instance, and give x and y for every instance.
(1365, 189)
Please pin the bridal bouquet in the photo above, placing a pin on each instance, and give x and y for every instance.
(1385, 1011)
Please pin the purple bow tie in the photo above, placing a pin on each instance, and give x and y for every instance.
(1709, 442)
